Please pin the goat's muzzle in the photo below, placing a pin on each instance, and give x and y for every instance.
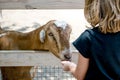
(67, 57)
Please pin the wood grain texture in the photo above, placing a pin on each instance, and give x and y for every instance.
(41, 4)
(30, 58)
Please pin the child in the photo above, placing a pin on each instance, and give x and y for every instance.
(99, 47)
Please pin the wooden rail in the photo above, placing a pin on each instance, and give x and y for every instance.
(29, 58)
(41, 4)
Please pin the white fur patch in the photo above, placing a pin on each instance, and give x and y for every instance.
(61, 24)
(3, 34)
(42, 36)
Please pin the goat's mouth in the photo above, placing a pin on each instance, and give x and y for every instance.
(65, 59)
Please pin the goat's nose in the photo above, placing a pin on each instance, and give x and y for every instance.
(67, 57)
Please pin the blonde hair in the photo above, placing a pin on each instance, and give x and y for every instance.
(105, 13)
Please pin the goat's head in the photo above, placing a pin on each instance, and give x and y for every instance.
(57, 35)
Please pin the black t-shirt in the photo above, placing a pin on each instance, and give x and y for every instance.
(103, 50)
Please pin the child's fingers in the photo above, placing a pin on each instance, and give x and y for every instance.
(65, 65)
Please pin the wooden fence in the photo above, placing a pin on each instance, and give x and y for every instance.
(41, 4)
(30, 58)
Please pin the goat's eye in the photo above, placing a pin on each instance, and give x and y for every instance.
(50, 34)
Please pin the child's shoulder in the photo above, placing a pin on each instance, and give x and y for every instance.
(92, 31)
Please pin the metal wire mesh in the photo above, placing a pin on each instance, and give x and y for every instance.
(52, 73)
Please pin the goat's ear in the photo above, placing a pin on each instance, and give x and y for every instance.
(42, 36)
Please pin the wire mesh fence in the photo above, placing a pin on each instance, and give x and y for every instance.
(50, 73)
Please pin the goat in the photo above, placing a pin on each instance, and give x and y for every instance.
(55, 33)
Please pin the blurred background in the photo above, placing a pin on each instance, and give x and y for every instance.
(27, 20)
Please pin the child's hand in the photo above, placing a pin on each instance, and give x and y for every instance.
(67, 65)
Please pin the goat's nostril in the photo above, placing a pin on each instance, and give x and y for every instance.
(67, 56)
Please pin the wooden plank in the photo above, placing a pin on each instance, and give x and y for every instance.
(29, 58)
(41, 4)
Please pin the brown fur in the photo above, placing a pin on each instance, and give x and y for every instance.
(30, 41)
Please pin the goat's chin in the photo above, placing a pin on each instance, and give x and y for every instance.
(65, 59)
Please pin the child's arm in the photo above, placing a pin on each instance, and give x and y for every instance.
(79, 70)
